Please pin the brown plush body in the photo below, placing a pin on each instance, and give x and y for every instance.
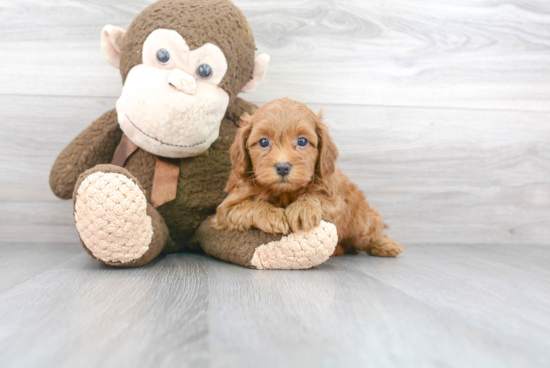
(285, 179)
(200, 186)
(183, 62)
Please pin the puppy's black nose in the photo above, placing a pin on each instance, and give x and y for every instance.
(283, 168)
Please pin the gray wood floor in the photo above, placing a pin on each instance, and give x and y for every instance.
(436, 306)
(441, 111)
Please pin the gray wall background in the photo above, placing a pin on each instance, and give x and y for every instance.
(440, 108)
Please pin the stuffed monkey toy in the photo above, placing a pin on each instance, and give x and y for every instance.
(145, 177)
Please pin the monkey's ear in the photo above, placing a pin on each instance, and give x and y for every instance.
(260, 68)
(111, 44)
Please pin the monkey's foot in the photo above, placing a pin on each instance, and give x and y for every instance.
(385, 247)
(296, 251)
(112, 217)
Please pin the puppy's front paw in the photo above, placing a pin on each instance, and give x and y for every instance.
(216, 224)
(303, 216)
(229, 222)
(272, 220)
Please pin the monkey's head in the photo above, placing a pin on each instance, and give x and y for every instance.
(182, 63)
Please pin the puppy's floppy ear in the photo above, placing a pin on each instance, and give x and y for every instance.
(328, 153)
(240, 159)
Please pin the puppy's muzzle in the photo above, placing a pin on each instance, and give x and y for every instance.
(283, 169)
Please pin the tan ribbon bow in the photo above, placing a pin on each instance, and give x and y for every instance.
(165, 180)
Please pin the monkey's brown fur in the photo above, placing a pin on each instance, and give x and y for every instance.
(202, 178)
(313, 189)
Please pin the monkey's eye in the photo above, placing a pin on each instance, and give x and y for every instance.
(163, 56)
(264, 143)
(204, 71)
(302, 142)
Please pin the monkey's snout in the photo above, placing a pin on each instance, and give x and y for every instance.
(182, 81)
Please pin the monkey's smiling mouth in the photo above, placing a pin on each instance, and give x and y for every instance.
(161, 142)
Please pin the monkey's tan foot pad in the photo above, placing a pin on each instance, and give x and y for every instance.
(297, 251)
(110, 212)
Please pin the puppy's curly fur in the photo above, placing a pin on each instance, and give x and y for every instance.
(307, 187)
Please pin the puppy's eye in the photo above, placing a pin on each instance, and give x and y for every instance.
(302, 142)
(163, 56)
(264, 143)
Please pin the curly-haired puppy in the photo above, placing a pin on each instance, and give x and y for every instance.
(285, 179)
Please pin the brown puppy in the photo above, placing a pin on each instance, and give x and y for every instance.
(285, 179)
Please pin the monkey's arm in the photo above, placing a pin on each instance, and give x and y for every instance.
(95, 145)
(258, 249)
